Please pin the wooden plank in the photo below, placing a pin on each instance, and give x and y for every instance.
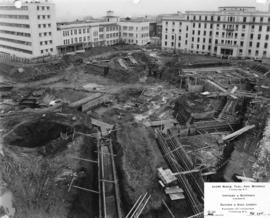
(238, 132)
(95, 102)
(85, 100)
(220, 88)
(161, 122)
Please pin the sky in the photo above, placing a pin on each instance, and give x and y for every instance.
(72, 9)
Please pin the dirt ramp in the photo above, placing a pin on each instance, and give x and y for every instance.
(138, 165)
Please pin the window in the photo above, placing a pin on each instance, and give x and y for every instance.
(258, 45)
(250, 44)
(43, 17)
(43, 8)
(241, 43)
(165, 43)
(266, 37)
(266, 45)
(244, 19)
(44, 25)
(40, 43)
(37, 7)
(256, 53)
(260, 28)
(41, 51)
(259, 36)
(45, 34)
(179, 38)
(261, 19)
(38, 17)
(172, 44)
(39, 26)
(268, 29)
(254, 19)
(48, 8)
(49, 25)
(48, 16)
(172, 37)
(251, 36)
(243, 35)
(166, 37)
(51, 49)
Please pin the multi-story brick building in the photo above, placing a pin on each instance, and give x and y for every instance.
(230, 31)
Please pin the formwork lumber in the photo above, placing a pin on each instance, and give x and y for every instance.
(238, 132)
(85, 100)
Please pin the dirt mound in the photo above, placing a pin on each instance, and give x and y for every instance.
(138, 166)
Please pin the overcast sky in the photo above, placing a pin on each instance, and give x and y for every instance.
(78, 8)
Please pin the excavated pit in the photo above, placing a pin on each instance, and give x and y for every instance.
(36, 134)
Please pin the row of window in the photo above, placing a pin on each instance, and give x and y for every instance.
(46, 50)
(111, 35)
(24, 17)
(15, 25)
(43, 8)
(16, 41)
(47, 42)
(131, 28)
(143, 35)
(222, 41)
(43, 17)
(45, 34)
(225, 27)
(233, 27)
(15, 33)
(16, 49)
(44, 25)
(75, 31)
(228, 18)
(109, 28)
(203, 47)
(13, 8)
(76, 40)
(224, 34)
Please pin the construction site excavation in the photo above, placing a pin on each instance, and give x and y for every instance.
(128, 132)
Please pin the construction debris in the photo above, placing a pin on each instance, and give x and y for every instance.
(125, 130)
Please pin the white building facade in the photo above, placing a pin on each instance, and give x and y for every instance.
(82, 35)
(31, 32)
(230, 31)
(28, 32)
(135, 32)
